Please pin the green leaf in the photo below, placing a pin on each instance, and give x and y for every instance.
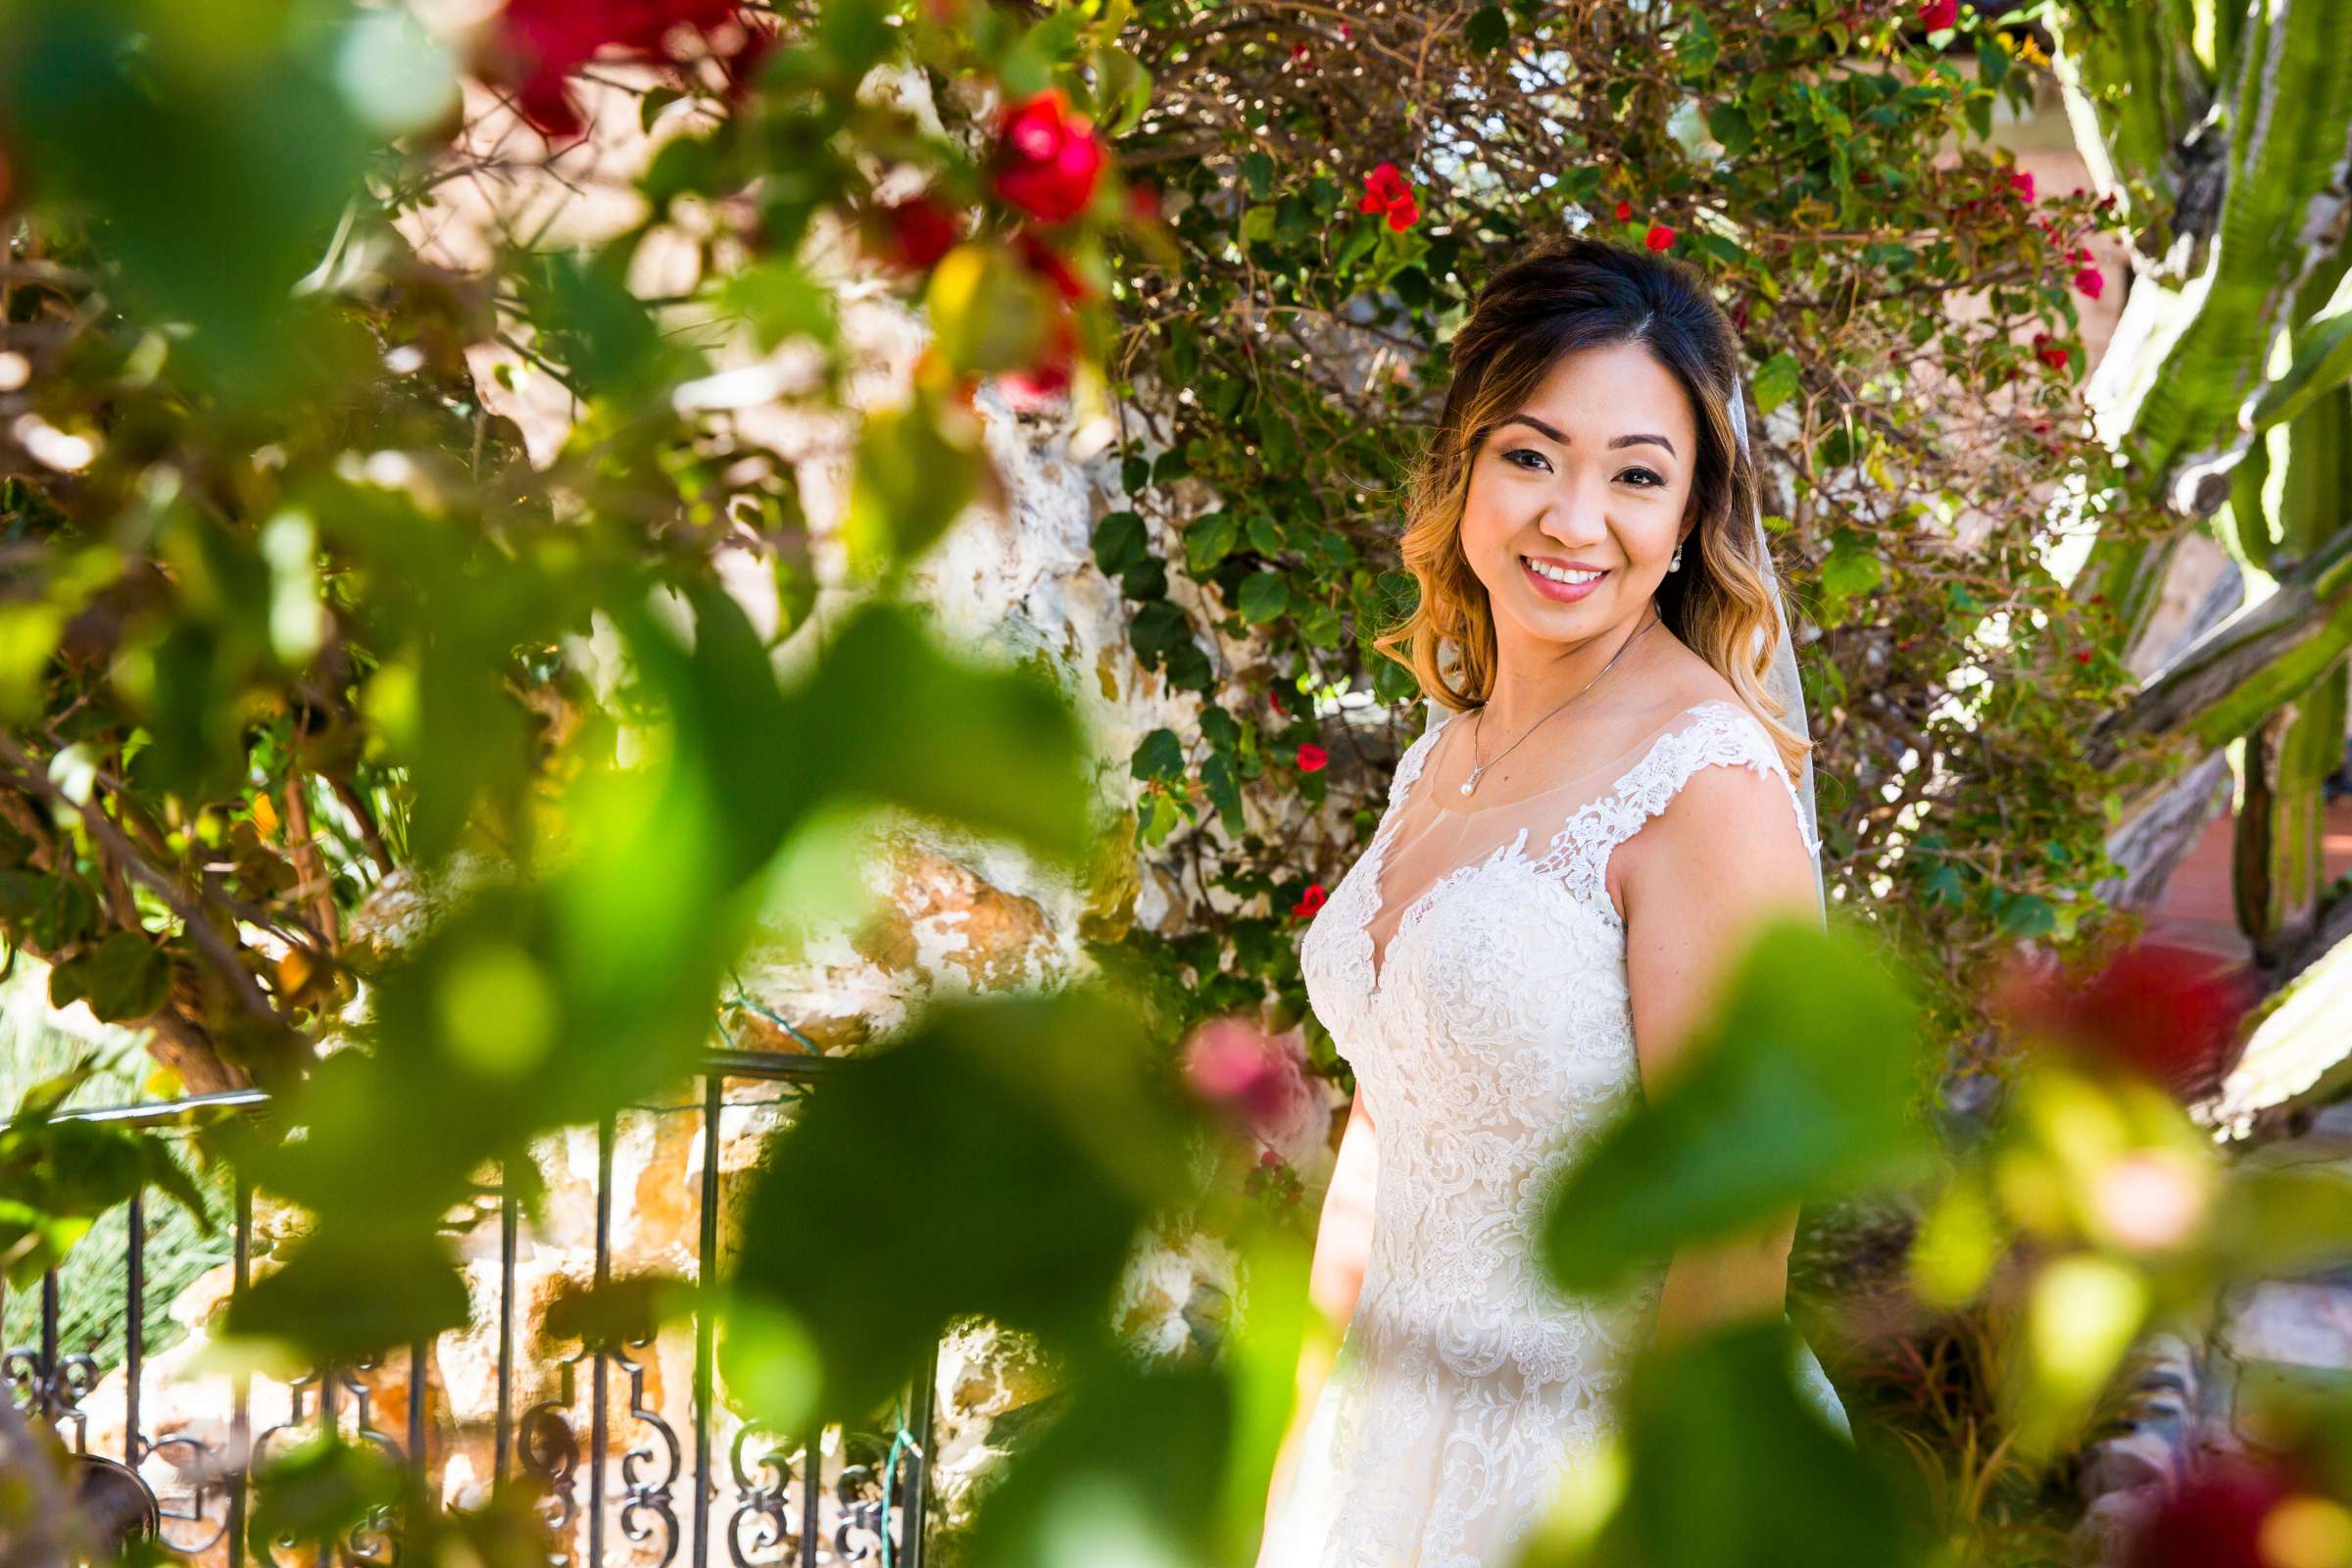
(1729, 1465)
(1257, 173)
(1043, 1112)
(1488, 29)
(1775, 382)
(998, 749)
(910, 483)
(125, 979)
(1209, 539)
(1128, 1468)
(1798, 1089)
(1264, 596)
(1120, 540)
(1729, 125)
(1160, 754)
(1851, 567)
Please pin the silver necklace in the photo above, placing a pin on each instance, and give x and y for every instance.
(1477, 767)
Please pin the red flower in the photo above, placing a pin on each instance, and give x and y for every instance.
(1385, 191)
(2082, 656)
(2022, 182)
(1048, 158)
(1048, 262)
(1939, 14)
(1309, 902)
(1035, 388)
(916, 232)
(2089, 282)
(538, 43)
(2213, 1518)
(1274, 699)
(1312, 756)
(1659, 237)
(1625, 209)
(2168, 1013)
(1299, 52)
(1143, 203)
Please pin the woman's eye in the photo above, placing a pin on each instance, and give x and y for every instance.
(1647, 479)
(1516, 453)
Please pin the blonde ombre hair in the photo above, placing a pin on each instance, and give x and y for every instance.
(1563, 295)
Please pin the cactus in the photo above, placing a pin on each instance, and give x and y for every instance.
(2286, 104)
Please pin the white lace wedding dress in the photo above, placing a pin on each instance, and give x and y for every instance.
(1491, 1035)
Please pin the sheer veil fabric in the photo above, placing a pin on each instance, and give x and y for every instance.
(1471, 968)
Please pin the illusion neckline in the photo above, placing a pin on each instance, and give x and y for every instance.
(1377, 962)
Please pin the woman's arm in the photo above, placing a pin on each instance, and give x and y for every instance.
(1725, 856)
(1343, 1243)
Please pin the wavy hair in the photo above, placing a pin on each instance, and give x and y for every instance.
(1561, 295)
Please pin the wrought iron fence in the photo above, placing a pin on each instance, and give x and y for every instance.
(629, 1489)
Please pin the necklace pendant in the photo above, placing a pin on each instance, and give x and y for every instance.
(1470, 783)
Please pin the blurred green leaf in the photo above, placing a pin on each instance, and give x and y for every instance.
(1129, 1470)
(1800, 1090)
(1017, 1145)
(1728, 1466)
(996, 749)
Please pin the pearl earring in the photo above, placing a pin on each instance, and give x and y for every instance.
(1676, 564)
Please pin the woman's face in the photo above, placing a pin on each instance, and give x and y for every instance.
(1594, 475)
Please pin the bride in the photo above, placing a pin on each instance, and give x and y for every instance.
(1560, 882)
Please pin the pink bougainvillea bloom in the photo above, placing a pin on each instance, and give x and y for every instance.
(1312, 756)
(1659, 237)
(1939, 14)
(2022, 182)
(1385, 191)
(1309, 902)
(1245, 1074)
(2089, 282)
(1048, 158)
(1625, 209)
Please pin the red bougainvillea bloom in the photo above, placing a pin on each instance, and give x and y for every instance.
(1048, 158)
(1143, 203)
(1385, 191)
(915, 234)
(1035, 388)
(2166, 1012)
(2212, 1519)
(2089, 282)
(1625, 209)
(1274, 701)
(2082, 656)
(2022, 182)
(1048, 263)
(538, 43)
(1659, 237)
(1309, 902)
(1938, 14)
(1312, 756)
(2050, 354)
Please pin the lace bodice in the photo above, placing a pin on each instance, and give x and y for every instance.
(1492, 1037)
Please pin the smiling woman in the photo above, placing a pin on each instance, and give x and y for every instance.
(1587, 428)
(1508, 975)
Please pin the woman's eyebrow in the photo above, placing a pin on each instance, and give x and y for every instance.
(1614, 442)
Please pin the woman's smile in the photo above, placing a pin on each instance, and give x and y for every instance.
(1556, 580)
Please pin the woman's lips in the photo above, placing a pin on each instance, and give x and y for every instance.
(1566, 593)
